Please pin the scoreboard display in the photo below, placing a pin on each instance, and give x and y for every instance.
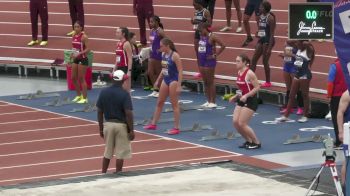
(310, 21)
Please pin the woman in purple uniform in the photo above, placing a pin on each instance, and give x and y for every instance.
(207, 55)
(154, 63)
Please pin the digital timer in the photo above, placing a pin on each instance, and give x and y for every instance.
(311, 14)
(310, 21)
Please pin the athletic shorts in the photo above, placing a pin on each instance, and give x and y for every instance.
(83, 61)
(303, 76)
(116, 140)
(197, 35)
(251, 103)
(251, 6)
(168, 80)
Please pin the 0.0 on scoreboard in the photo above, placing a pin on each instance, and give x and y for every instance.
(310, 21)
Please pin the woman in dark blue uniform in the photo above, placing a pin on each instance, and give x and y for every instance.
(171, 85)
(266, 34)
(303, 61)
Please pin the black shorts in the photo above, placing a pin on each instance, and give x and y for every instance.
(124, 69)
(251, 103)
(197, 35)
(83, 61)
(251, 6)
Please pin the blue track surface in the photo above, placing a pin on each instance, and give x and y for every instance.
(271, 136)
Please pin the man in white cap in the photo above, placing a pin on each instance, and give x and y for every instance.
(115, 107)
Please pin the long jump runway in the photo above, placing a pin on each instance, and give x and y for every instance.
(39, 143)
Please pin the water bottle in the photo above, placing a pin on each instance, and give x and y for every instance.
(99, 79)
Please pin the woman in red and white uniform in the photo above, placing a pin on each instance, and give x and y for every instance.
(124, 55)
(247, 102)
(80, 62)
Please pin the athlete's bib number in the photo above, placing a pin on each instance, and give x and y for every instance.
(298, 61)
(261, 33)
(165, 68)
(202, 49)
(151, 38)
(195, 26)
(345, 21)
(288, 51)
(117, 59)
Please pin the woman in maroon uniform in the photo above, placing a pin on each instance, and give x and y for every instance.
(247, 102)
(124, 55)
(79, 55)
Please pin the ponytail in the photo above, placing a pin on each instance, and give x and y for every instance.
(157, 20)
(168, 42)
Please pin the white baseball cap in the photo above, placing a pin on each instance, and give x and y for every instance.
(119, 75)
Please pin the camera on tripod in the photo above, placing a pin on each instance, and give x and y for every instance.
(329, 152)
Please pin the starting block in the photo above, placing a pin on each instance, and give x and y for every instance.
(296, 139)
(148, 120)
(184, 108)
(87, 108)
(64, 101)
(142, 122)
(59, 102)
(38, 94)
(215, 135)
(196, 127)
(52, 103)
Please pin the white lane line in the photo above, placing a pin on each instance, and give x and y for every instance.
(4, 105)
(127, 16)
(23, 112)
(154, 135)
(112, 53)
(73, 148)
(49, 139)
(126, 167)
(91, 158)
(130, 5)
(46, 129)
(34, 120)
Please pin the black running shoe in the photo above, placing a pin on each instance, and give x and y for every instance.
(244, 145)
(247, 41)
(253, 146)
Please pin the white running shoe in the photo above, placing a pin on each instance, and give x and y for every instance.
(205, 104)
(282, 119)
(226, 28)
(212, 105)
(155, 94)
(303, 119)
(239, 29)
(152, 94)
(328, 116)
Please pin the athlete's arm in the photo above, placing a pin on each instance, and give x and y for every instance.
(85, 41)
(272, 23)
(208, 17)
(178, 62)
(343, 105)
(128, 51)
(216, 40)
(254, 80)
